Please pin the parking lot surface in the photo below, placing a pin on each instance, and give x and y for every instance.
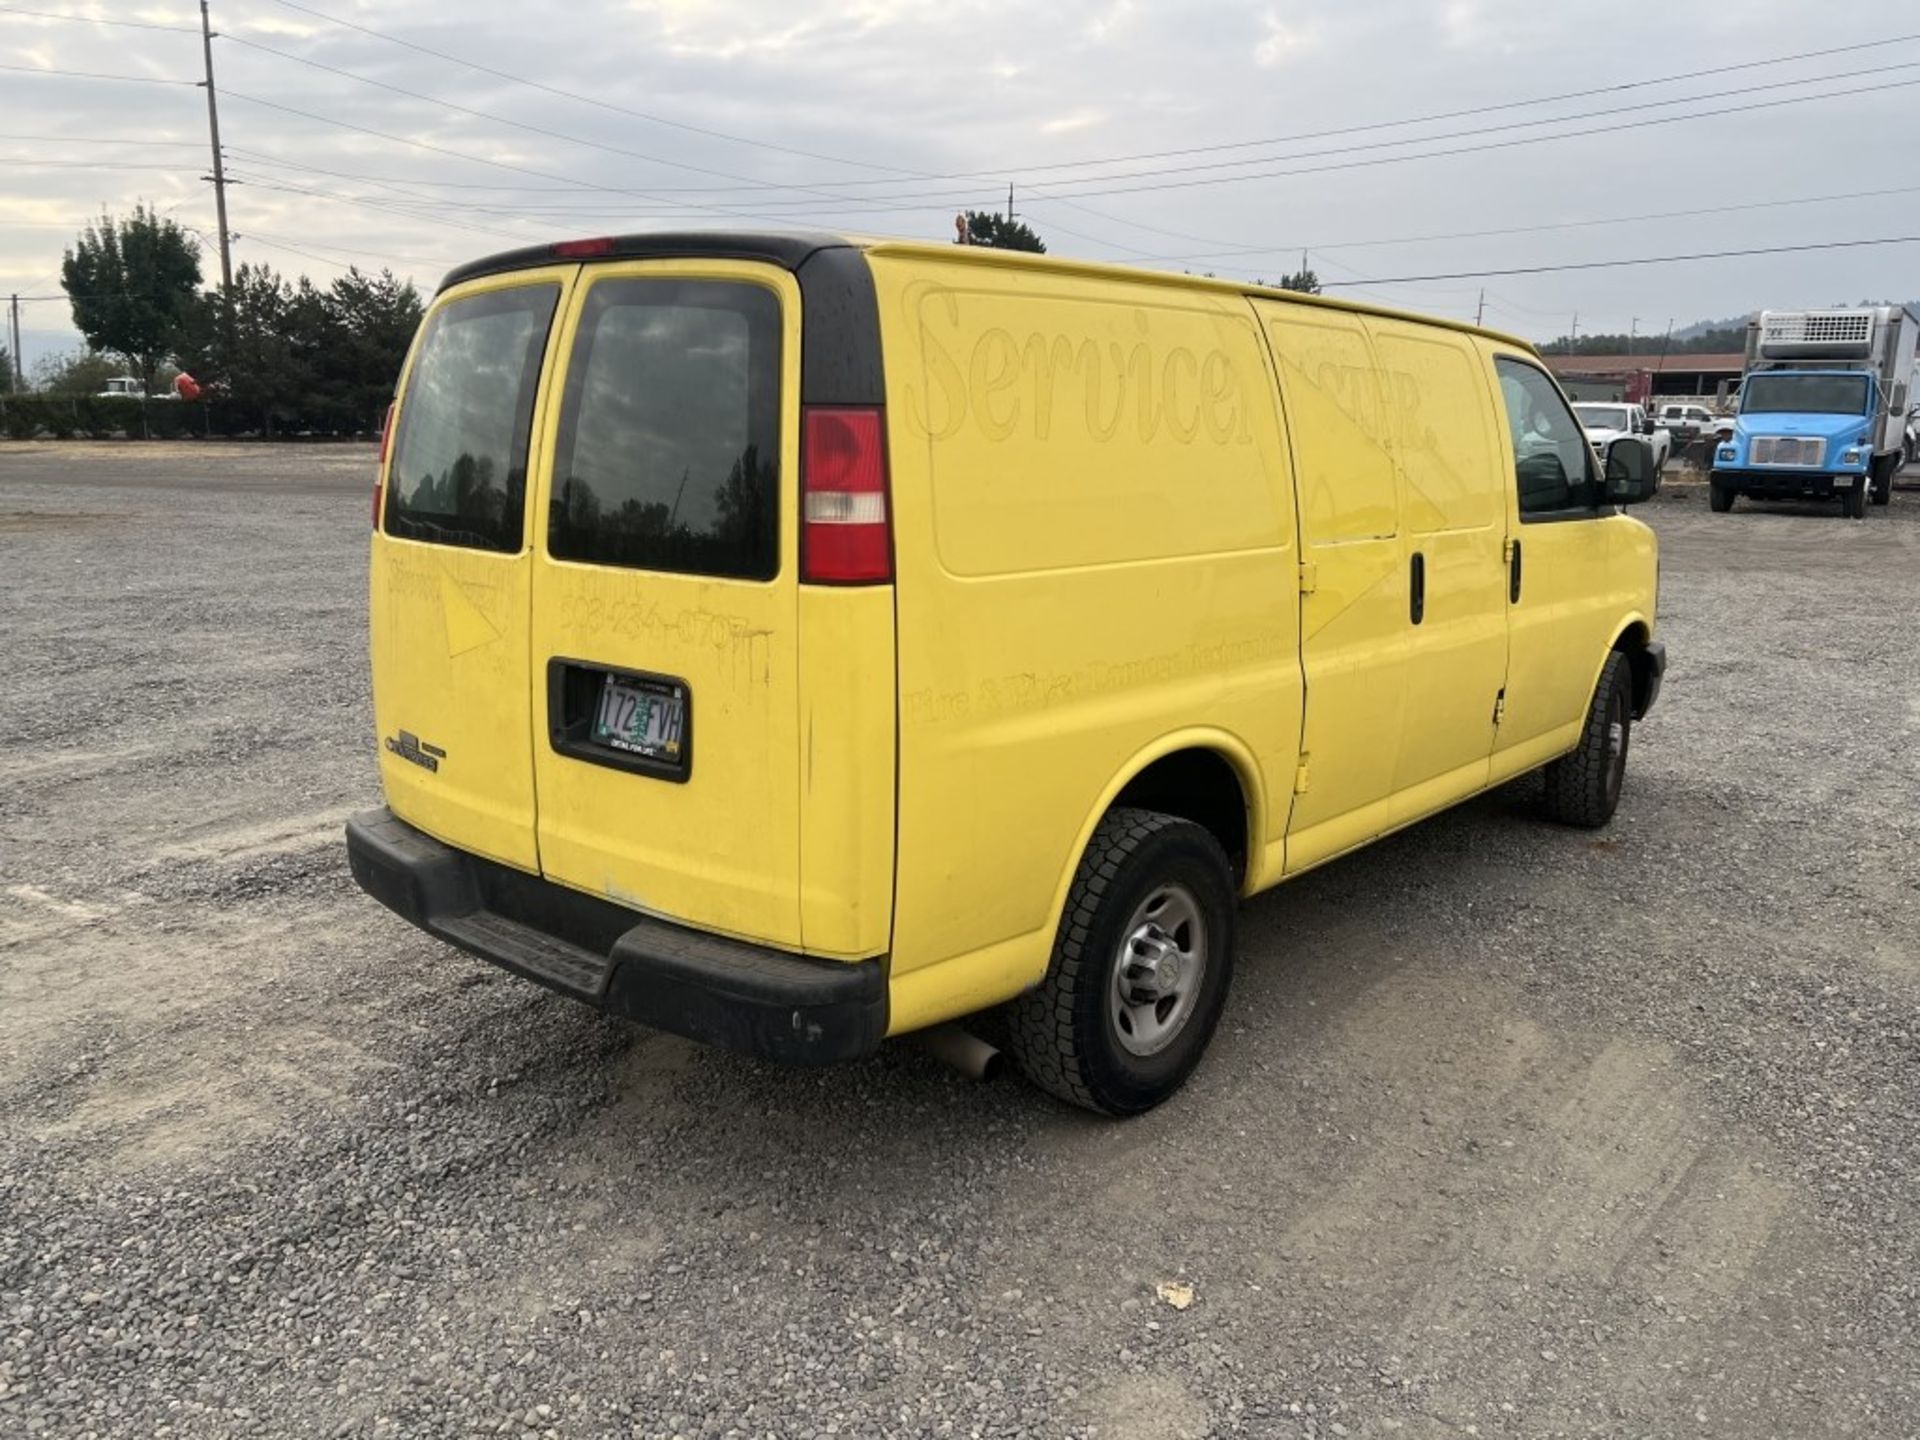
(1510, 1129)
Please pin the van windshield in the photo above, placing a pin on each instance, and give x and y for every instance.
(1805, 395)
(458, 472)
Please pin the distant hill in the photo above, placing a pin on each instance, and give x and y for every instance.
(1702, 327)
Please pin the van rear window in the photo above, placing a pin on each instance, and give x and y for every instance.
(669, 448)
(458, 473)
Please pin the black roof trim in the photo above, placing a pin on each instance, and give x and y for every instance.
(789, 251)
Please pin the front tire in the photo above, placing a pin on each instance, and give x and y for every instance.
(1140, 971)
(1882, 481)
(1853, 504)
(1720, 496)
(1583, 788)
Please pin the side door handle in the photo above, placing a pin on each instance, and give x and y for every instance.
(1513, 575)
(1417, 594)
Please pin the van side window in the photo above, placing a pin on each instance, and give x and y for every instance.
(1552, 462)
(669, 449)
(458, 474)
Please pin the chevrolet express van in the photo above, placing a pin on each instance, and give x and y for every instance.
(791, 642)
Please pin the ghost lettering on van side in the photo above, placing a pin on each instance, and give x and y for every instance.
(1007, 384)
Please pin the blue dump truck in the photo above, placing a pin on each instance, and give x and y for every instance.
(1823, 408)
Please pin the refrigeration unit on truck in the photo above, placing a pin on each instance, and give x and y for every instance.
(1823, 406)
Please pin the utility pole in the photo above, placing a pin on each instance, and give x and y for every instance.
(1633, 334)
(1573, 335)
(1480, 310)
(1009, 204)
(219, 167)
(18, 380)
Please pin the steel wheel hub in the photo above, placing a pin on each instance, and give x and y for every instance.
(1158, 971)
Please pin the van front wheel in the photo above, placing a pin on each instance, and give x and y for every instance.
(1583, 788)
(1140, 970)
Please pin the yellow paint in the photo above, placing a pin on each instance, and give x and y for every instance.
(1133, 515)
(449, 638)
(721, 851)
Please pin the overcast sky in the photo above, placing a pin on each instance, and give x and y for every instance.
(910, 109)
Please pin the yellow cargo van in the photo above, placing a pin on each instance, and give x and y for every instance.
(792, 641)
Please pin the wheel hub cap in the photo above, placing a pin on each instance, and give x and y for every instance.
(1158, 970)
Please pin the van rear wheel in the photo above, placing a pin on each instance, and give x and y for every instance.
(1140, 970)
(1583, 788)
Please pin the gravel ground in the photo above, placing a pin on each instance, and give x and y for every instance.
(1510, 1131)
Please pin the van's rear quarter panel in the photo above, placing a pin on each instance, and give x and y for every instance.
(1095, 550)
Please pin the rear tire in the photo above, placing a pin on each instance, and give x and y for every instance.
(1720, 496)
(1140, 970)
(1583, 788)
(1853, 504)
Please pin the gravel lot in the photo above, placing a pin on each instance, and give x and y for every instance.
(1511, 1130)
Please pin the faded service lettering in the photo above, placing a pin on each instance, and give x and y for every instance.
(1009, 384)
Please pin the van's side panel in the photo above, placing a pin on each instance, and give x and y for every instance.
(1095, 549)
(448, 634)
(1454, 513)
(1354, 623)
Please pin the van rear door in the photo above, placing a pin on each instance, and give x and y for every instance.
(665, 597)
(450, 571)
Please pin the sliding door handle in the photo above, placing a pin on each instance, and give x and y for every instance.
(1417, 594)
(1513, 575)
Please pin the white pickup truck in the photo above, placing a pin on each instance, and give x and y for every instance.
(1606, 422)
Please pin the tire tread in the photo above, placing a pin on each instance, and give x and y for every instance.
(1040, 1025)
(1576, 790)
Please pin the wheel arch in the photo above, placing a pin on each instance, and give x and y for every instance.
(1151, 777)
(1632, 640)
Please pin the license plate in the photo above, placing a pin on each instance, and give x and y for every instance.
(642, 719)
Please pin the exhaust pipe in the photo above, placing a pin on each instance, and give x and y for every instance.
(960, 1050)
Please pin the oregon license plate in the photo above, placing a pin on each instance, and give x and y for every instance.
(642, 719)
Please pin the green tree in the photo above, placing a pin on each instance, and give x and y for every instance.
(368, 321)
(1303, 280)
(7, 375)
(984, 227)
(78, 372)
(133, 284)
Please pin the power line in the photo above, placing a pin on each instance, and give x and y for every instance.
(1638, 260)
(495, 164)
(92, 75)
(1509, 144)
(482, 160)
(1107, 160)
(1452, 114)
(1323, 247)
(589, 99)
(757, 187)
(99, 140)
(749, 182)
(93, 20)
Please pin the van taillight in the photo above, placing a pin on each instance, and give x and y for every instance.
(386, 438)
(847, 535)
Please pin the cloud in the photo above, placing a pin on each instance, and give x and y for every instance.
(1082, 119)
(1283, 43)
(854, 104)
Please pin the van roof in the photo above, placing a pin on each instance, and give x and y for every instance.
(791, 249)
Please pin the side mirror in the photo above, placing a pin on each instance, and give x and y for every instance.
(1631, 477)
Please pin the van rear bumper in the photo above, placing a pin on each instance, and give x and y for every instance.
(723, 992)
